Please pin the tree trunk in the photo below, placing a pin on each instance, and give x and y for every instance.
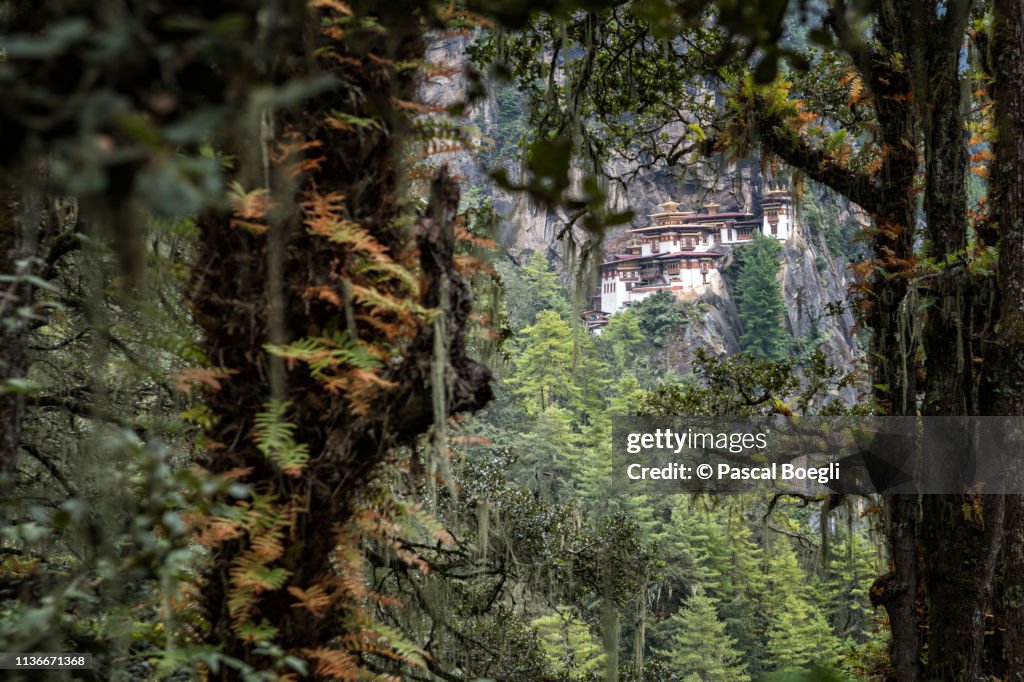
(1006, 361)
(959, 549)
(893, 347)
(18, 220)
(351, 216)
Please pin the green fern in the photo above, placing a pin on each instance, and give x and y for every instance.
(324, 353)
(275, 439)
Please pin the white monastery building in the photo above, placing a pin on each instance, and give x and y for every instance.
(680, 251)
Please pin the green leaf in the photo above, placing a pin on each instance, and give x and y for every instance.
(58, 37)
(19, 385)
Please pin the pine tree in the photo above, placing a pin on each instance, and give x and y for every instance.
(626, 398)
(853, 564)
(571, 649)
(530, 289)
(741, 586)
(621, 342)
(547, 451)
(699, 647)
(543, 371)
(798, 634)
(713, 551)
(591, 376)
(761, 308)
(593, 470)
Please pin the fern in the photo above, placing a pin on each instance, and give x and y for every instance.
(275, 440)
(252, 632)
(325, 353)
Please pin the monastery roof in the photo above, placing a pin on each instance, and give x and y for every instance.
(694, 222)
(671, 228)
(690, 254)
(703, 217)
(715, 252)
(622, 259)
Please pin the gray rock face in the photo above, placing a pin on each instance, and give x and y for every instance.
(812, 281)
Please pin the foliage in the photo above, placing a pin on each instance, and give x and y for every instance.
(798, 634)
(700, 649)
(544, 368)
(569, 646)
(759, 299)
(225, 247)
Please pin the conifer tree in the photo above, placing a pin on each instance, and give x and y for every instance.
(591, 375)
(761, 308)
(741, 587)
(543, 371)
(699, 646)
(798, 635)
(570, 647)
(622, 341)
(593, 469)
(717, 554)
(626, 397)
(530, 288)
(547, 446)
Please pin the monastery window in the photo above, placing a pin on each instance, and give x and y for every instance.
(672, 268)
(704, 267)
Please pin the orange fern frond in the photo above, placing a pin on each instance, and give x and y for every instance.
(335, 5)
(335, 664)
(464, 235)
(314, 599)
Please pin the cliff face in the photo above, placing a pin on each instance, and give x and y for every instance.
(810, 276)
(813, 287)
(812, 284)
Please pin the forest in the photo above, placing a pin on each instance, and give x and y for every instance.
(308, 369)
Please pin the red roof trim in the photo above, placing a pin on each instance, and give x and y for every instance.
(691, 254)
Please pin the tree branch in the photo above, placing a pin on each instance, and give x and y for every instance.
(51, 466)
(776, 137)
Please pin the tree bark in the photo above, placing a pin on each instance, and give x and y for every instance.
(18, 222)
(959, 550)
(1005, 361)
(347, 438)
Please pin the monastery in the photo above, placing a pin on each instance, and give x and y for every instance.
(681, 251)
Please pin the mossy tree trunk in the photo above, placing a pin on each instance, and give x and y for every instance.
(1005, 359)
(342, 261)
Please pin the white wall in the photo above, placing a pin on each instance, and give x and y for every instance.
(612, 301)
(688, 279)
